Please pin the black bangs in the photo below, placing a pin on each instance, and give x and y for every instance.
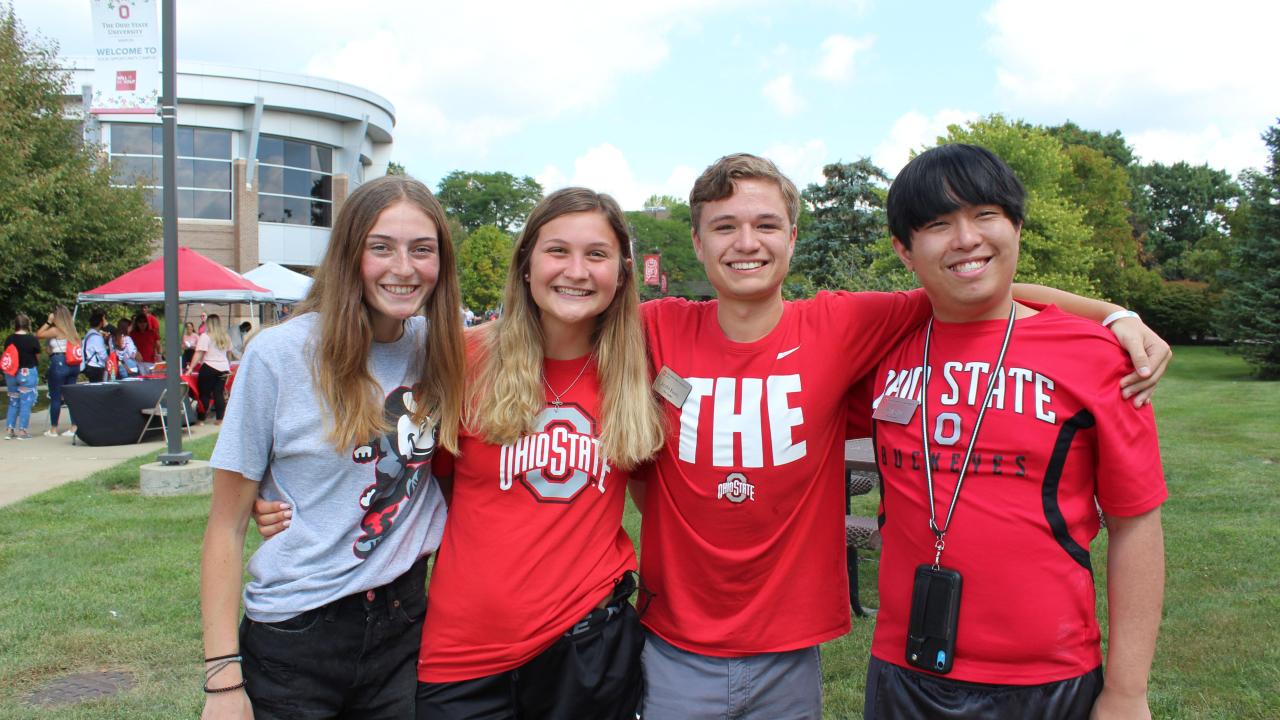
(947, 178)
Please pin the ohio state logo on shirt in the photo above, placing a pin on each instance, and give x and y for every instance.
(559, 459)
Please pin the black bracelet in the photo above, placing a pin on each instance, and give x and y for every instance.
(228, 688)
(234, 655)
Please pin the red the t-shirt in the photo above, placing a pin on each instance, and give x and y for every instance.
(1057, 434)
(743, 533)
(534, 539)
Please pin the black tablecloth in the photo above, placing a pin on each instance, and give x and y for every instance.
(110, 413)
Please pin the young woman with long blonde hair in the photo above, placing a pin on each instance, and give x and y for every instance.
(213, 368)
(530, 614)
(338, 412)
(60, 332)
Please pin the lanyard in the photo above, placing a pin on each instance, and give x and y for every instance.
(940, 532)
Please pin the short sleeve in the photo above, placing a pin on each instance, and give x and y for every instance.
(245, 443)
(202, 344)
(1129, 472)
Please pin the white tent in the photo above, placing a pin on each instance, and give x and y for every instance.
(288, 286)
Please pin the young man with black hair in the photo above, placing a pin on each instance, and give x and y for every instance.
(742, 543)
(997, 427)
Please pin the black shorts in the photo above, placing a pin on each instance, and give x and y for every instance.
(356, 657)
(592, 672)
(895, 692)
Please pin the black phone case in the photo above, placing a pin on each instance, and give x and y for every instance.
(935, 613)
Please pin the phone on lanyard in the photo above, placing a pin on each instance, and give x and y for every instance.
(935, 614)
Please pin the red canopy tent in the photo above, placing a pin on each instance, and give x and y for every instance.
(199, 280)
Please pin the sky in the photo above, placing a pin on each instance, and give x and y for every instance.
(636, 98)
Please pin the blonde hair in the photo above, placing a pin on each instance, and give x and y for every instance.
(340, 365)
(62, 320)
(505, 394)
(217, 334)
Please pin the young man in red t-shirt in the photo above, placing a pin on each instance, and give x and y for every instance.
(1003, 416)
(742, 540)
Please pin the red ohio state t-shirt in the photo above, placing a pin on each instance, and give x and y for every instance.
(534, 539)
(1057, 435)
(743, 534)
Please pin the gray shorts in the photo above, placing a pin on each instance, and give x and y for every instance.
(680, 685)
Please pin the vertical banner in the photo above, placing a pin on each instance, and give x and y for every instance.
(652, 269)
(126, 40)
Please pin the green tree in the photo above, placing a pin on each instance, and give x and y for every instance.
(1113, 145)
(482, 267)
(1250, 313)
(1057, 240)
(63, 227)
(395, 168)
(671, 238)
(495, 198)
(1182, 209)
(845, 215)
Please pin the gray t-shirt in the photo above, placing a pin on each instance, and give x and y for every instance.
(361, 517)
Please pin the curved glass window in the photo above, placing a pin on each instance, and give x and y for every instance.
(295, 182)
(204, 167)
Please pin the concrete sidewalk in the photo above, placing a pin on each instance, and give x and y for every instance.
(28, 467)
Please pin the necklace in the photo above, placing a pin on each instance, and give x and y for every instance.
(940, 533)
(557, 395)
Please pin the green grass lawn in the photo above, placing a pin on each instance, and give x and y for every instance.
(95, 577)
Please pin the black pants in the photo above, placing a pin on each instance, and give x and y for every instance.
(354, 658)
(591, 673)
(94, 374)
(213, 391)
(895, 692)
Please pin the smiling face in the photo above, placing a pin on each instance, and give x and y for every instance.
(574, 270)
(398, 267)
(745, 242)
(965, 260)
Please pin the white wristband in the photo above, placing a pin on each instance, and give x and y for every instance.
(1117, 315)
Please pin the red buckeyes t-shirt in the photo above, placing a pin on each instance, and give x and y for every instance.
(743, 531)
(1057, 435)
(534, 539)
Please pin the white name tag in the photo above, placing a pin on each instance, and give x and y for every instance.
(898, 410)
(672, 387)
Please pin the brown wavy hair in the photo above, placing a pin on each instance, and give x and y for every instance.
(340, 366)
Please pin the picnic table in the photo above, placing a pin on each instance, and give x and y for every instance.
(861, 532)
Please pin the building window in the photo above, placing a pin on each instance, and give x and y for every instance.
(204, 167)
(295, 182)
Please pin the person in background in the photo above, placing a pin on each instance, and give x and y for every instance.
(126, 352)
(242, 338)
(22, 382)
(95, 347)
(146, 338)
(60, 332)
(214, 366)
(189, 339)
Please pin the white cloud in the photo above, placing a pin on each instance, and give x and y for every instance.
(781, 93)
(461, 75)
(1155, 67)
(1233, 151)
(914, 131)
(802, 162)
(604, 168)
(838, 53)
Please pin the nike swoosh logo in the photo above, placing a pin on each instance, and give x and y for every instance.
(783, 354)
